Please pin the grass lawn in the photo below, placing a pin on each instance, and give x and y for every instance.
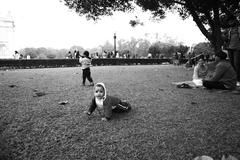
(165, 123)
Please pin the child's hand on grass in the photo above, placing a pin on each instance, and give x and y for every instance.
(104, 119)
(87, 112)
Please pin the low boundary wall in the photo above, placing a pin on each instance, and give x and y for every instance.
(44, 63)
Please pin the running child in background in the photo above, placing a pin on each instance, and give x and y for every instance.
(106, 104)
(85, 61)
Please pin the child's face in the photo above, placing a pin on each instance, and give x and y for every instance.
(99, 92)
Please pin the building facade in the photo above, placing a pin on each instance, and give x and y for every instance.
(6, 36)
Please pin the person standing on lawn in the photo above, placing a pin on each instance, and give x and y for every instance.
(77, 55)
(233, 46)
(106, 104)
(85, 61)
(224, 76)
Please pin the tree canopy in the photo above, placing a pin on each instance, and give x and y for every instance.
(208, 15)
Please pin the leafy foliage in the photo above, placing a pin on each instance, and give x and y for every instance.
(136, 22)
(206, 14)
(107, 46)
(77, 48)
(29, 51)
(167, 50)
(203, 48)
(51, 56)
(143, 47)
(94, 9)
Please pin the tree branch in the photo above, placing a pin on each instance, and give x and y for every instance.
(225, 10)
(211, 23)
(177, 2)
(198, 21)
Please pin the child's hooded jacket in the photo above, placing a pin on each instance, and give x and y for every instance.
(85, 62)
(109, 102)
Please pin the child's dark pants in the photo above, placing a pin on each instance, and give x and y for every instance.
(86, 74)
(122, 107)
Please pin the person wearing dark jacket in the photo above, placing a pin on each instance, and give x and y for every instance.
(233, 41)
(224, 76)
(106, 104)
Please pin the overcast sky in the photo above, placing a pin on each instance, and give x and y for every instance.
(49, 23)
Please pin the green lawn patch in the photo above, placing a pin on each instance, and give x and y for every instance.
(165, 122)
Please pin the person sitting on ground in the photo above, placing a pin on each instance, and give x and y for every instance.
(106, 104)
(200, 70)
(224, 76)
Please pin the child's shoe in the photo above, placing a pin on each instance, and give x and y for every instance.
(91, 84)
(87, 112)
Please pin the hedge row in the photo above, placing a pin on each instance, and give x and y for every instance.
(43, 63)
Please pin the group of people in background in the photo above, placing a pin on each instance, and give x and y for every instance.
(76, 55)
(17, 55)
(227, 73)
(105, 54)
(224, 72)
(219, 74)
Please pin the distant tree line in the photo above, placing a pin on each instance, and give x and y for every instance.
(134, 48)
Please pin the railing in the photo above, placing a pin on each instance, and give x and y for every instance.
(44, 63)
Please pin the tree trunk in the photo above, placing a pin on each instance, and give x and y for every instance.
(217, 40)
(216, 28)
(214, 37)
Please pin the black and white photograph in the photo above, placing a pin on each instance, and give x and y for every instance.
(119, 80)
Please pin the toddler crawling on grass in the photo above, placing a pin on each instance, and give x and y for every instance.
(106, 104)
